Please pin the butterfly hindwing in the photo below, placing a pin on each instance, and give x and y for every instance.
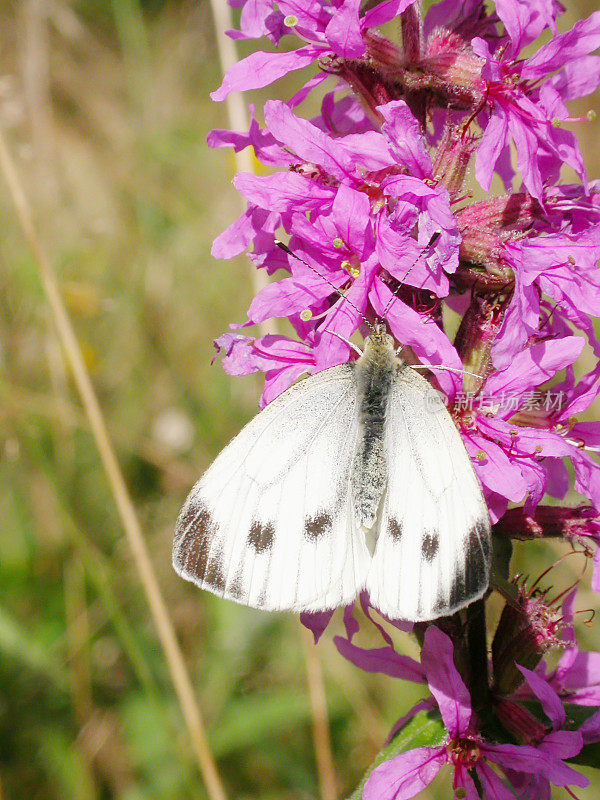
(432, 550)
(270, 524)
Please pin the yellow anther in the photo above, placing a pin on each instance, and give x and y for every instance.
(306, 315)
(290, 21)
(481, 455)
(556, 122)
(591, 115)
(338, 243)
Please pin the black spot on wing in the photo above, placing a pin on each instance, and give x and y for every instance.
(193, 537)
(235, 587)
(430, 546)
(261, 536)
(214, 576)
(317, 525)
(395, 529)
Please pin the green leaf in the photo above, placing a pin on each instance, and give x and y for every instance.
(425, 729)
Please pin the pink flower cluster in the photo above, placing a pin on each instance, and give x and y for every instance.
(373, 197)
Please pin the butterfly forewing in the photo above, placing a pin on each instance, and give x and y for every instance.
(433, 548)
(270, 524)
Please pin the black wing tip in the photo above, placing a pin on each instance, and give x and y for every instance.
(468, 586)
(473, 585)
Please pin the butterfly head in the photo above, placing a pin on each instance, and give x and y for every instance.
(379, 340)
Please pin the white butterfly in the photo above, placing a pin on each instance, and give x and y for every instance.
(353, 479)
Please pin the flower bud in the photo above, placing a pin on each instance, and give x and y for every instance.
(516, 719)
(550, 522)
(530, 626)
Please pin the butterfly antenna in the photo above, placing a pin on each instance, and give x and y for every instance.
(432, 241)
(289, 252)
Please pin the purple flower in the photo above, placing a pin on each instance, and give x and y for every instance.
(564, 268)
(370, 197)
(330, 30)
(526, 97)
(283, 360)
(383, 660)
(465, 749)
(364, 207)
(577, 677)
(511, 458)
(557, 743)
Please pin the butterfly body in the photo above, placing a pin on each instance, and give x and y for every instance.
(354, 478)
(375, 372)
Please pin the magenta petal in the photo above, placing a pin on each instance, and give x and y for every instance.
(283, 191)
(521, 319)
(468, 784)
(310, 143)
(551, 702)
(582, 39)
(514, 15)
(495, 470)
(403, 131)
(280, 379)
(311, 83)
(382, 660)
(492, 144)
(260, 69)
(238, 353)
(587, 475)
(590, 730)
(311, 14)
(384, 12)
(562, 744)
(526, 144)
(285, 298)
(351, 624)
(370, 149)
(351, 214)
(445, 683)
(535, 365)
(343, 32)
(254, 16)
(405, 775)
(236, 238)
(316, 622)
(526, 758)
(417, 331)
(493, 785)
(578, 78)
(521, 758)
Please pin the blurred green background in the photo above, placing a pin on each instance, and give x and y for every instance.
(105, 106)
